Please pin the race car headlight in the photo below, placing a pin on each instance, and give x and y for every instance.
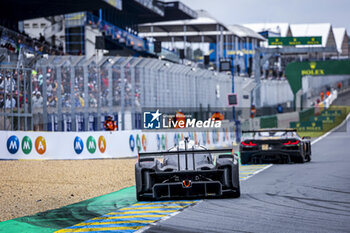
(291, 143)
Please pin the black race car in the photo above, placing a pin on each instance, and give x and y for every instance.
(274, 146)
(187, 171)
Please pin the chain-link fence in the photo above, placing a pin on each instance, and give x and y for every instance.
(77, 93)
(15, 99)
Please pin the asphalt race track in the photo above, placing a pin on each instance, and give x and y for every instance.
(310, 197)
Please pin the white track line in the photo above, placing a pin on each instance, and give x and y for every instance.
(257, 172)
(143, 229)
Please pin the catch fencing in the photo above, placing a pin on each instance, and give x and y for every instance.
(15, 99)
(77, 93)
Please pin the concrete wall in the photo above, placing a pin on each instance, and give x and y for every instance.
(274, 92)
(285, 118)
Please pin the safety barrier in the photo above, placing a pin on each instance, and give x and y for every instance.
(98, 145)
(314, 85)
(306, 114)
(321, 117)
(268, 122)
(284, 119)
(274, 92)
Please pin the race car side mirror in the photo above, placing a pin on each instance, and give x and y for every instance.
(306, 137)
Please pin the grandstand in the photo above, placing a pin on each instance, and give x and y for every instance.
(214, 38)
(14, 42)
(117, 25)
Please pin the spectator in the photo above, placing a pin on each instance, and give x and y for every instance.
(60, 47)
(51, 100)
(92, 101)
(2, 82)
(339, 85)
(66, 101)
(217, 116)
(10, 101)
(10, 83)
(279, 109)
(41, 38)
(2, 102)
(110, 125)
(252, 111)
(322, 95)
(81, 100)
(77, 102)
(37, 108)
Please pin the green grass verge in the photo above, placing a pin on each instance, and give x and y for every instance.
(329, 126)
(53, 220)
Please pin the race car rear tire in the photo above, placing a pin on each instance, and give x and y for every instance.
(237, 194)
(307, 158)
(299, 159)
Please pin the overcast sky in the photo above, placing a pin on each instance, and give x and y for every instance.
(336, 12)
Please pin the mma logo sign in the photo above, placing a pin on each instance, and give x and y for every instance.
(40, 145)
(12, 144)
(102, 144)
(91, 145)
(78, 145)
(26, 145)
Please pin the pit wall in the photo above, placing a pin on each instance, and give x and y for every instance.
(100, 145)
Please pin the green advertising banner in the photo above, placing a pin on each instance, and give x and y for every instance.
(323, 119)
(334, 113)
(295, 71)
(292, 41)
(307, 126)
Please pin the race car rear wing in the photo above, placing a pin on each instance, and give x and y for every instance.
(142, 157)
(269, 130)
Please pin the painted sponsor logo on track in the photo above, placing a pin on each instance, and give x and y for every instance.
(142, 214)
(131, 218)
